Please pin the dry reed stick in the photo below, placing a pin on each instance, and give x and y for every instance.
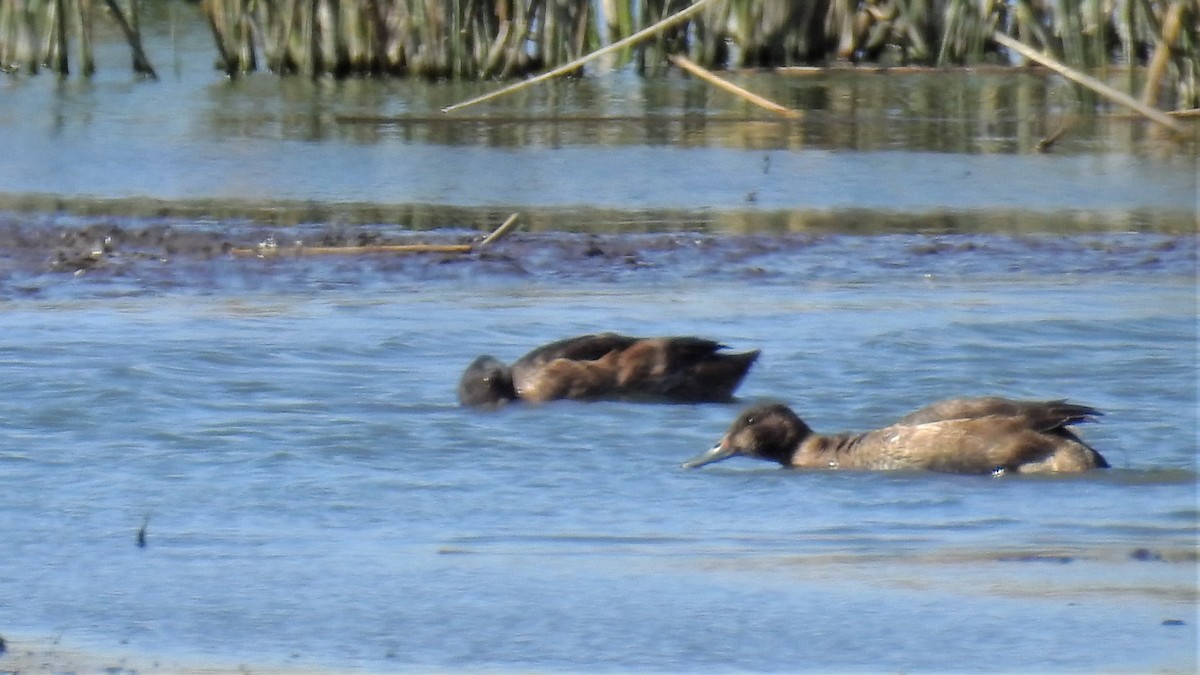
(1048, 142)
(1158, 63)
(505, 227)
(1089, 82)
(264, 251)
(721, 83)
(647, 32)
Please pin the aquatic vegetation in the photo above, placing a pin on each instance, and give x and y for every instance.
(427, 39)
(36, 34)
(508, 38)
(461, 38)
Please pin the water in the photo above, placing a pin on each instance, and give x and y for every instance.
(959, 147)
(314, 495)
(285, 430)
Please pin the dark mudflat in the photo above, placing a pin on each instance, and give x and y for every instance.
(38, 256)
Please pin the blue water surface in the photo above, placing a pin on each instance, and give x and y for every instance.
(312, 495)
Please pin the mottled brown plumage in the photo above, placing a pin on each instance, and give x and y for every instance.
(978, 435)
(1042, 414)
(610, 366)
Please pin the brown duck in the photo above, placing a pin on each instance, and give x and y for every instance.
(965, 435)
(610, 366)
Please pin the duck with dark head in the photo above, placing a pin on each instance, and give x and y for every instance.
(967, 435)
(610, 366)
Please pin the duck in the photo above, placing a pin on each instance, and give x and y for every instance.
(610, 366)
(983, 435)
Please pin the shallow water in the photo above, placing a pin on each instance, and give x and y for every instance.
(285, 429)
(599, 151)
(313, 495)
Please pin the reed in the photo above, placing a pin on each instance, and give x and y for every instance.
(422, 38)
(484, 37)
(515, 38)
(83, 17)
(36, 34)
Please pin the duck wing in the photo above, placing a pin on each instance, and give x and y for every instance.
(1052, 415)
(1038, 415)
(686, 350)
(972, 445)
(713, 376)
(580, 348)
(611, 365)
(682, 369)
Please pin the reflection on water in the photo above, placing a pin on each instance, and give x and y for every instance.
(587, 152)
(945, 112)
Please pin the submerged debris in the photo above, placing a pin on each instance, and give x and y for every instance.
(95, 246)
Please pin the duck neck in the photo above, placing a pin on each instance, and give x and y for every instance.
(826, 452)
(502, 385)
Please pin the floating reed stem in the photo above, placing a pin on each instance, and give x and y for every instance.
(272, 250)
(648, 32)
(721, 83)
(1090, 82)
(1048, 142)
(265, 251)
(500, 232)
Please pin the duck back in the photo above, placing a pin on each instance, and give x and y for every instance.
(1044, 415)
(610, 365)
(965, 445)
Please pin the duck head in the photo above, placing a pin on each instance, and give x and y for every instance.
(486, 382)
(770, 431)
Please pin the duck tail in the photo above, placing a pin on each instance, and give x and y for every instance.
(713, 378)
(1061, 413)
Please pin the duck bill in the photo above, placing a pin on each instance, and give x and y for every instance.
(714, 454)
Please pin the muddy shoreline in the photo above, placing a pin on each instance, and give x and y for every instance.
(76, 244)
(37, 258)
